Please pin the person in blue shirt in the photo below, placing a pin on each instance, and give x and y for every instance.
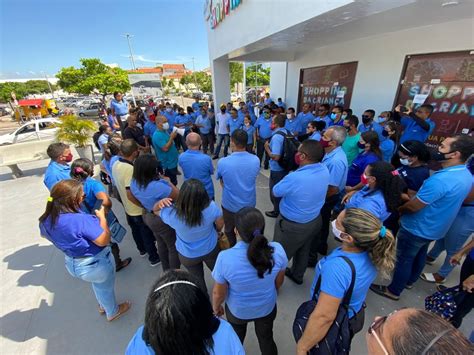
(300, 206)
(336, 116)
(197, 165)
(112, 121)
(414, 157)
(203, 122)
(370, 247)
(314, 130)
(105, 134)
(183, 121)
(197, 221)
(368, 124)
(251, 133)
(191, 114)
(293, 124)
(305, 117)
(280, 103)
(369, 143)
(268, 100)
(390, 140)
(58, 168)
(191, 328)
(248, 277)
(120, 108)
(274, 149)
(146, 189)
(428, 216)
(84, 239)
(264, 133)
(170, 115)
(238, 188)
(165, 149)
(149, 128)
(418, 125)
(323, 114)
(195, 105)
(234, 122)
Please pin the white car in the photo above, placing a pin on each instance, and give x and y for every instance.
(42, 129)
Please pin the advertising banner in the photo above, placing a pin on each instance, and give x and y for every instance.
(145, 85)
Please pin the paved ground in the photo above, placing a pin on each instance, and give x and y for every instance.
(45, 311)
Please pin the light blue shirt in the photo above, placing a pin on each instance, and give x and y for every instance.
(374, 126)
(195, 106)
(413, 131)
(239, 173)
(205, 122)
(169, 159)
(171, 116)
(103, 139)
(370, 201)
(326, 119)
(56, 172)
(250, 131)
(443, 194)
(226, 342)
(91, 188)
(336, 277)
(234, 123)
(152, 193)
(294, 125)
(196, 241)
(149, 129)
(276, 147)
(316, 136)
(303, 192)
(197, 165)
(184, 119)
(387, 146)
(263, 125)
(304, 119)
(248, 296)
(120, 107)
(336, 162)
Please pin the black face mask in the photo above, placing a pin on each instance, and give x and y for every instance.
(385, 133)
(348, 128)
(366, 119)
(360, 145)
(438, 156)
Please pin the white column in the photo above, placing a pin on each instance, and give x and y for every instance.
(220, 81)
(278, 82)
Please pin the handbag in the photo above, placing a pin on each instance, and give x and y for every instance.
(339, 336)
(117, 231)
(445, 303)
(223, 241)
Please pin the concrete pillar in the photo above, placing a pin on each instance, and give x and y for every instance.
(220, 81)
(278, 72)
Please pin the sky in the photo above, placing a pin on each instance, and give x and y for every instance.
(45, 35)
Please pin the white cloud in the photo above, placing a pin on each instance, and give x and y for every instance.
(18, 73)
(142, 58)
(31, 72)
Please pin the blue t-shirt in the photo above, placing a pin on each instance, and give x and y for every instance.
(412, 131)
(264, 127)
(149, 129)
(443, 194)
(414, 177)
(336, 162)
(303, 192)
(250, 131)
(74, 234)
(195, 106)
(171, 116)
(239, 173)
(336, 277)
(234, 123)
(358, 166)
(226, 342)
(305, 118)
(374, 126)
(276, 147)
(206, 124)
(294, 125)
(103, 139)
(169, 159)
(120, 107)
(371, 201)
(111, 122)
(326, 119)
(193, 242)
(387, 146)
(56, 172)
(316, 136)
(91, 188)
(248, 296)
(184, 119)
(152, 193)
(197, 165)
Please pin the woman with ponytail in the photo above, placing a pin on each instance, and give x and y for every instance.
(247, 278)
(371, 249)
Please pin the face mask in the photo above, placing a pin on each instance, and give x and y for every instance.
(298, 158)
(385, 133)
(344, 116)
(68, 158)
(324, 143)
(169, 109)
(404, 161)
(360, 145)
(333, 116)
(266, 115)
(247, 124)
(336, 231)
(289, 116)
(363, 179)
(379, 119)
(272, 126)
(223, 110)
(366, 119)
(347, 128)
(166, 126)
(438, 156)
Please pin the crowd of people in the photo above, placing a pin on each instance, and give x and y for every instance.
(368, 183)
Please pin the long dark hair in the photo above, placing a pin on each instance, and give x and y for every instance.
(388, 181)
(250, 224)
(372, 138)
(179, 318)
(113, 147)
(395, 126)
(415, 149)
(192, 200)
(81, 169)
(145, 170)
(65, 197)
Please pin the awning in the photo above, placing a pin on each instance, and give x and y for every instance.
(32, 102)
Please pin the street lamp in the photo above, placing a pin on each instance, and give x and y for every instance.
(128, 36)
(49, 85)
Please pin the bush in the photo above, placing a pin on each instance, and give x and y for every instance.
(75, 130)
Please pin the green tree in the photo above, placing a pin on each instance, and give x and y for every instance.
(164, 82)
(257, 75)
(185, 81)
(8, 87)
(93, 75)
(236, 70)
(204, 81)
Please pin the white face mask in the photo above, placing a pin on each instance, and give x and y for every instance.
(166, 126)
(289, 116)
(336, 231)
(405, 161)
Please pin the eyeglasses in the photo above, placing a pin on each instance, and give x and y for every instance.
(375, 326)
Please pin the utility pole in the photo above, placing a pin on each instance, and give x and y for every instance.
(194, 74)
(49, 85)
(128, 36)
(245, 84)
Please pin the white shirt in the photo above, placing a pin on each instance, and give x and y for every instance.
(221, 123)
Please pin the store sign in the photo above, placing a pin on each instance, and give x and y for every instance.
(145, 85)
(215, 11)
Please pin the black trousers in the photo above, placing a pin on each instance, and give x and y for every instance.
(207, 142)
(261, 151)
(275, 178)
(466, 305)
(263, 329)
(172, 174)
(229, 225)
(143, 237)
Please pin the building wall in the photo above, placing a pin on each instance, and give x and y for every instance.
(380, 61)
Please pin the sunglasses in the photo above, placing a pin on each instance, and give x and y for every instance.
(376, 326)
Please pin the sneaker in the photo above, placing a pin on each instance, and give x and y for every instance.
(272, 214)
(292, 278)
(123, 264)
(155, 263)
(215, 157)
(143, 254)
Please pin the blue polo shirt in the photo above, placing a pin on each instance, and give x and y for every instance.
(316, 136)
(171, 116)
(387, 146)
(193, 242)
(234, 123)
(294, 125)
(336, 277)
(336, 162)
(443, 194)
(152, 193)
(414, 177)
(197, 165)
(248, 296)
(250, 131)
(304, 119)
(103, 139)
(91, 188)
(276, 147)
(239, 173)
(412, 130)
(374, 126)
(263, 125)
(326, 119)
(56, 172)
(149, 128)
(371, 201)
(358, 166)
(120, 107)
(195, 106)
(169, 159)
(303, 192)
(226, 342)
(184, 119)
(74, 233)
(205, 122)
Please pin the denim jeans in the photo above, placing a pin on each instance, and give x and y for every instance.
(457, 235)
(222, 138)
(172, 174)
(143, 236)
(100, 271)
(411, 257)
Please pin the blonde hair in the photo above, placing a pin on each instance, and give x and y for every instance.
(370, 235)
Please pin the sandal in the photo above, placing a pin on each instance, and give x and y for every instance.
(432, 278)
(383, 291)
(123, 308)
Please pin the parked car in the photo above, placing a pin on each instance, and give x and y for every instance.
(235, 96)
(91, 111)
(42, 129)
(207, 96)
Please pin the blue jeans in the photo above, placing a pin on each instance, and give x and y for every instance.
(457, 235)
(100, 271)
(222, 138)
(411, 257)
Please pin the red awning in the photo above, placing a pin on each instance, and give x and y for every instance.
(32, 102)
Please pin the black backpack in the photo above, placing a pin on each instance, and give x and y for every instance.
(339, 336)
(290, 148)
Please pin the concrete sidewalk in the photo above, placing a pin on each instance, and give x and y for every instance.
(45, 311)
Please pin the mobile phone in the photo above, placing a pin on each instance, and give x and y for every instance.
(97, 205)
(403, 109)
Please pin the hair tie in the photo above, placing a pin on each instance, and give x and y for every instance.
(50, 199)
(395, 172)
(408, 150)
(256, 232)
(78, 170)
(383, 232)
